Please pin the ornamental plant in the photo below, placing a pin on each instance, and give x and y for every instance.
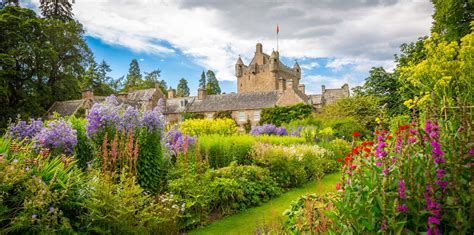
(58, 136)
(268, 129)
(21, 130)
(197, 127)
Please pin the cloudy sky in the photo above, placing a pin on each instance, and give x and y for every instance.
(335, 41)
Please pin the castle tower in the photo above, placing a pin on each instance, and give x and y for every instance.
(239, 67)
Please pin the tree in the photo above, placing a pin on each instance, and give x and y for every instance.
(151, 79)
(212, 87)
(384, 86)
(202, 80)
(34, 74)
(451, 18)
(182, 90)
(134, 76)
(56, 9)
(5, 3)
(163, 86)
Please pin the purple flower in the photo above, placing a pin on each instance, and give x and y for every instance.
(401, 189)
(412, 140)
(34, 216)
(402, 208)
(440, 173)
(378, 163)
(433, 220)
(174, 141)
(385, 171)
(51, 210)
(471, 151)
(442, 183)
(268, 129)
(23, 130)
(152, 120)
(57, 136)
(432, 231)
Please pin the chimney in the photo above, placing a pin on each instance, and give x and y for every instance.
(201, 93)
(259, 49)
(281, 84)
(171, 93)
(289, 84)
(323, 89)
(122, 95)
(301, 88)
(87, 94)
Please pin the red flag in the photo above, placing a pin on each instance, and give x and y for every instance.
(278, 29)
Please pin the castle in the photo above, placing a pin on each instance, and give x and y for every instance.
(263, 83)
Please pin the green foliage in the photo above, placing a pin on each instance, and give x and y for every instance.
(187, 116)
(384, 86)
(151, 80)
(223, 114)
(451, 18)
(61, 10)
(285, 163)
(338, 146)
(202, 80)
(212, 86)
(363, 109)
(151, 166)
(121, 206)
(83, 149)
(197, 127)
(307, 122)
(280, 115)
(134, 77)
(344, 127)
(182, 90)
(28, 89)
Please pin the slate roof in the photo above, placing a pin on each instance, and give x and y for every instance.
(141, 95)
(233, 101)
(65, 108)
(179, 105)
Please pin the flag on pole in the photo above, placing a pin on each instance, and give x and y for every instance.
(278, 29)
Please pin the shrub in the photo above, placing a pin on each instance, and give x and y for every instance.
(338, 146)
(307, 122)
(121, 206)
(187, 116)
(279, 115)
(256, 184)
(197, 127)
(223, 114)
(344, 127)
(23, 130)
(83, 150)
(285, 163)
(268, 129)
(58, 136)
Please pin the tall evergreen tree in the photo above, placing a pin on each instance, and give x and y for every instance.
(4, 3)
(182, 90)
(212, 87)
(202, 80)
(56, 9)
(134, 77)
(151, 79)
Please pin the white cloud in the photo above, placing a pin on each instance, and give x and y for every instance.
(309, 66)
(141, 59)
(361, 34)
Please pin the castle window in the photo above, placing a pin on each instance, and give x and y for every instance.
(256, 115)
(242, 117)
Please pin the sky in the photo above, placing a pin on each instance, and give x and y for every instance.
(334, 41)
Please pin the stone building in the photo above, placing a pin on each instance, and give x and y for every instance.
(264, 83)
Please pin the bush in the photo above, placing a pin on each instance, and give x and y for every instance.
(151, 165)
(279, 115)
(187, 116)
(120, 206)
(344, 127)
(339, 147)
(197, 127)
(83, 150)
(256, 184)
(223, 114)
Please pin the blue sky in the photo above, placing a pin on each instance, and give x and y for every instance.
(335, 42)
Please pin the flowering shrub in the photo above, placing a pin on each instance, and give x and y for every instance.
(285, 162)
(268, 129)
(23, 130)
(174, 141)
(58, 136)
(197, 127)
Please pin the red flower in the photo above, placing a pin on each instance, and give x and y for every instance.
(404, 127)
(356, 134)
(366, 155)
(348, 155)
(390, 137)
(339, 159)
(355, 150)
(367, 150)
(353, 167)
(377, 132)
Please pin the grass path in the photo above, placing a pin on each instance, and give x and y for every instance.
(245, 222)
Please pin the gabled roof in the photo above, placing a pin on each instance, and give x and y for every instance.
(141, 95)
(233, 101)
(65, 108)
(179, 105)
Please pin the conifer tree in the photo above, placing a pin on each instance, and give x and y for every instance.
(212, 87)
(182, 89)
(134, 76)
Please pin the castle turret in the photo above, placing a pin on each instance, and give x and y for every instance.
(274, 61)
(296, 67)
(239, 67)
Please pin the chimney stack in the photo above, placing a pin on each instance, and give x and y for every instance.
(301, 87)
(171, 93)
(201, 93)
(323, 89)
(87, 94)
(259, 49)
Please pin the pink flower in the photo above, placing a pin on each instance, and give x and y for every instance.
(338, 186)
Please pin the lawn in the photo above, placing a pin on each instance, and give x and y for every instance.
(245, 222)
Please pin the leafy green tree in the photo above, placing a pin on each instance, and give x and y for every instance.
(34, 73)
(163, 87)
(182, 90)
(134, 77)
(384, 86)
(451, 18)
(56, 9)
(202, 80)
(212, 87)
(151, 79)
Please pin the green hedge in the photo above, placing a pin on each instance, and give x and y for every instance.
(279, 115)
